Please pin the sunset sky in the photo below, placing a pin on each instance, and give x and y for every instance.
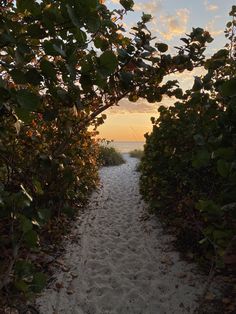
(171, 20)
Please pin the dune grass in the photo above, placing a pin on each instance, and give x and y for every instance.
(109, 156)
(137, 153)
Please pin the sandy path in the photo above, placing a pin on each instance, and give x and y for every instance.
(121, 263)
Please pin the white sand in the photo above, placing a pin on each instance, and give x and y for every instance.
(121, 263)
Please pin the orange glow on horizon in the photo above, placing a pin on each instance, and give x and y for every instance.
(126, 127)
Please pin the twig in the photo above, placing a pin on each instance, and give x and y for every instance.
(207, 285)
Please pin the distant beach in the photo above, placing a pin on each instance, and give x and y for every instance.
(125, 147)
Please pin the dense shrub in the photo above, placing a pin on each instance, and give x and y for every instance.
(109, 156)
(189, 164)
(38, 184)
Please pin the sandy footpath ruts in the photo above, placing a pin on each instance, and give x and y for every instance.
(121, 262)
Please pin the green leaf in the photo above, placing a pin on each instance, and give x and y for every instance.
(101, 43)
(18, 76)
(38, 187)
(59, 50)
(35, 31)
(23, 114)
(49, 48)
(21, 285)
(98, 41)
(89, 5)
(219, 234)
(93, 23)
(23, 268)
(201, 159)
(197, 85)
(100, 81)
(226, 153)
(86, 82)
(26, 224)
(44, 214)
(146, 18)
(208, 37)
(221, 54)
(127, 4)
(39, 282)
(87, 66)
(69, 211)
(228, 89)
(72, 14)
(209, 207)
(126, 79)
(68, 174)
(31, 238)
(223, 168)
(28, 5)
(199, 139)
(48, 69)
(80, 36)
(108, 62)
(27, 99)
(162, 47)
(33, 77)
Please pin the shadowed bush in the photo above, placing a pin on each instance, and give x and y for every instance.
(109, 156)
(136, 153)
(188, 172)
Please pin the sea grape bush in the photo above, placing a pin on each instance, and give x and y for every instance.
(109, 156)
(188, 172)
(39, 184)
(62, 64)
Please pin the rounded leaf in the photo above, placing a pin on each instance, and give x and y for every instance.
(27, 99)
(162, 47)
(108, 62)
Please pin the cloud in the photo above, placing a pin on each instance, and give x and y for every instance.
(173, 25)
(141, 106)
(210, 6)
(115, 1)
(186, 79)
(166, 25)
(148, 7)
(211, 28)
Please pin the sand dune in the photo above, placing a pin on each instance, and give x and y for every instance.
(121, 262)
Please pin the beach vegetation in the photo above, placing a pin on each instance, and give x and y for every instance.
(188, 173)
(136, 153)
(109, 156)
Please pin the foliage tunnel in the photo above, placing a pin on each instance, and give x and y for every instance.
(63, 63)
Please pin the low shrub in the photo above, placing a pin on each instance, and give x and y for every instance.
(136, 153)
(109, 156)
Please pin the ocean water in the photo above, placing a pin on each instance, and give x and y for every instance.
(126, 147)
